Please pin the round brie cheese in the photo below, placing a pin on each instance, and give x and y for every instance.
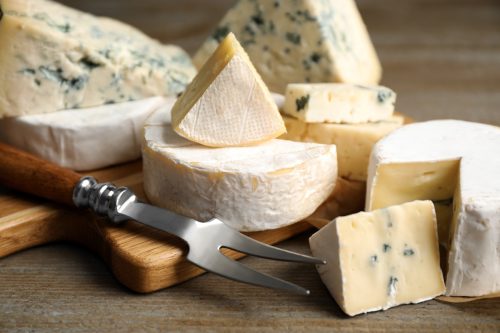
(455, 164)
(260, 187)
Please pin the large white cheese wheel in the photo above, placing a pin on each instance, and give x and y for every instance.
(300, 41)
(83, 139)
(261, 187)
(55, 58)
(227, 104)
(443, 160)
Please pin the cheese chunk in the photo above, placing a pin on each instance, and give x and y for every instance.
(354, 141)
(251, 188)
(59, 58)
(300, 41)
(338, 103)
(83, 139)
(227, 104)
(455, 164)
(381, 259)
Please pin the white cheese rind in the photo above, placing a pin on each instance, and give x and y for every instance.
(84, 139)
(339, 103)
(60, 58)
(377, 260)
(436, 146)
(300, 41)
(249, 188)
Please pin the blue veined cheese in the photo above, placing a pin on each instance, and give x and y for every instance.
(377, 260)
(293, 41)
(340, 103)
(54, 58)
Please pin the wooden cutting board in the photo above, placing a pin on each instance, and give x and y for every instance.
(140, 257)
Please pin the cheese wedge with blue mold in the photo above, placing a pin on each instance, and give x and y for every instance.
(300, 41)
(380, 259)
(455, 164)
(56, 58)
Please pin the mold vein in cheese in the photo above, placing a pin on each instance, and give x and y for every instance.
(300, 41)
(60, 58)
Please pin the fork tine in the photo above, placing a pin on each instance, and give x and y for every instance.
(219, 264)
(247, 245)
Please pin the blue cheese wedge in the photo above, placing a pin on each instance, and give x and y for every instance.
(59, 58)
(300, 41)
(339, 103)
(83, 139)
(377, 260)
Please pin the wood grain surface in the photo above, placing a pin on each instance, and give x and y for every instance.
(443, 59)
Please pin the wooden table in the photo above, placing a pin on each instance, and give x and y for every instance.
(443, 59)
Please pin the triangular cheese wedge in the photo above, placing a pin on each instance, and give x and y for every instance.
(227, 104)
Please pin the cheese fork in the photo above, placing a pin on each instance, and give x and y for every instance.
(24, 172)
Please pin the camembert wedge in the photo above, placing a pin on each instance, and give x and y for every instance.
(377, 260)
(227, 104)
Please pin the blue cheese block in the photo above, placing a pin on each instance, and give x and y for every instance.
(380, 259)
(300, 41)
(60, 58)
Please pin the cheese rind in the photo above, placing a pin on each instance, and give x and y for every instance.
(448, 161)
(381, 259)
(354, 141)
(300, 41)
(251, 188)
(227, 104)
(60, 58)
(83, 139)
(338, 103)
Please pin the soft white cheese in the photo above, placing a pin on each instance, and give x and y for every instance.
(260, 187)
(83, 139)
(455, 164)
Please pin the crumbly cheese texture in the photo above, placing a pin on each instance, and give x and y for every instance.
(455, 164)
(251, 188)
(338, 103)
(354, 141)
(83, 139)
(377, 260)
(227, 104)
(59, 58)
(300, 41)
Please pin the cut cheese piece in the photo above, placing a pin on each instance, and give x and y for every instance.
(448, 161)
(339, 103)
(300, 41)
(83, 139)
(354, 142)
(227, 104)
(249, 188)
(59, 58)
(381, 259)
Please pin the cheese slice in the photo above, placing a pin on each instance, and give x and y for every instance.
(300, 41)
(59, 58)
(354, 141)
(381, 259)
(227, 104)
(455, 164)
(83, 139)
(338, 102)
(251, 188)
